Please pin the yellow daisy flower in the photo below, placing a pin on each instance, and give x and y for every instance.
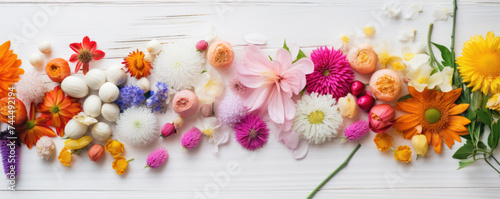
(480, 63)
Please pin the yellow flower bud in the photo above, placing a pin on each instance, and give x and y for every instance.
(65, 157)
(420, 145)
(403, 154)
(72, 144)
(383, 141)
(348, 106)
(120, 165)
(114, 147)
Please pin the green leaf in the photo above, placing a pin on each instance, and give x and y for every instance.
(300, 56)
(445, 54)
(405, 97)
(463, 163)
(464, 152)
(484, 117)
(481, 145)
(270, 57)
(494, 136)
(285, 46)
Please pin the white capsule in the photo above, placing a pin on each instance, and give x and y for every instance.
(36, 59)
(149, 57)
(153, 46)
(45, 47)
(144, 84)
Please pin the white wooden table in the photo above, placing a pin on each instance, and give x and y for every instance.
(120, 26)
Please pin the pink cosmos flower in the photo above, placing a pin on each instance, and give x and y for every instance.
(271, 84)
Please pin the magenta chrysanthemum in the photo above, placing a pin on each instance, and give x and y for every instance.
(231, 110)
(251, 132)
(157, 158)
(332, 73)
(191, 138)
(356, 130)
(237, 87)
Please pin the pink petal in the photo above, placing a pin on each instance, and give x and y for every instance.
(289, 107)
(257, 98)
(76, 47)
(285, 58)
(295, 79)
(289, 138)
(249, 78)
(276, 107)
(301, 151)
(305, 65)
(256, 59)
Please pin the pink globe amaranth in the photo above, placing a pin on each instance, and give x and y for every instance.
(381, 118)
(356, 130)
(157, 158)
(168, 129)
(332, 73)
(191, 138)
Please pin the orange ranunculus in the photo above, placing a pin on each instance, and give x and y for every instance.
(65, 157)
(120, 165)
(9, 69)
(403, 154)
(58, 109)
(114, 147)
(12, 111)
(383, 141)
(33, 129)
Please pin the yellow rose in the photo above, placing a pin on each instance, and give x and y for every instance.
(403, 154)
(348, 106)
(383, 141)
(420, 145)
(65, 157)
(114, 147)
(120, 165)
(72, 144)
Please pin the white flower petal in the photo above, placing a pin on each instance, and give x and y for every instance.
(441, 12)
(407, 34)
(412, 11)
(255, 38)
(391, 9)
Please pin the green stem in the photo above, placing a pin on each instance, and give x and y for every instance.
(491, 165)
(334, 172)
(495, 159)
(456, 76)
(431, 53)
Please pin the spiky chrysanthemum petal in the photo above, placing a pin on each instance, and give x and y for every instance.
(137, 126)
(179, 65)
(480, 63)
(332, 73)
(251, 132)
(317, 118)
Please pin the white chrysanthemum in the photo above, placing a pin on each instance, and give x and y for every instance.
(137, 126)
(317, 118)
(31, 88)
(179, 65)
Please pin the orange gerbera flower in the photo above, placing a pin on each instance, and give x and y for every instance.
(434, 114)
(33, 129)
(9, 69)
(136, 65)
(58, 109)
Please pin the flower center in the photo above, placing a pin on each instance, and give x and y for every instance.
(385, 84)
(345, 39)
(408, 56)
(208, 132)
(398, 66)
(489, 64)
(432, 115)
(363, 56)
(137, 124)
(271, 76)
(326, 72)
(85, 56)
(316, 117)
(30, 125)
(253, 133)
(54, 109)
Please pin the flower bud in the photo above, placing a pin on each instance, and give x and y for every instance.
(178, 121)
(185, 103)
(201, 45)
(96, 152)
(403, 154)
(206, 110)
(168, 129)
(381, 118)
(420, 145)
(348, 106)
(383, 141)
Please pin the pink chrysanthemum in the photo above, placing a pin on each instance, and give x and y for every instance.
(356, 130)
(231, 110)
(191, 138)
(251, 132)
(157, 158)
(237, 87)
(332, 73)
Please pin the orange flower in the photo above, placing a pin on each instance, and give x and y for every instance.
(136, 65)
(383, 141)
(9, 69)
(434, 114)
(65, 157)
(120, 165)
(58, 109)
(33, 129)
(403, 154)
